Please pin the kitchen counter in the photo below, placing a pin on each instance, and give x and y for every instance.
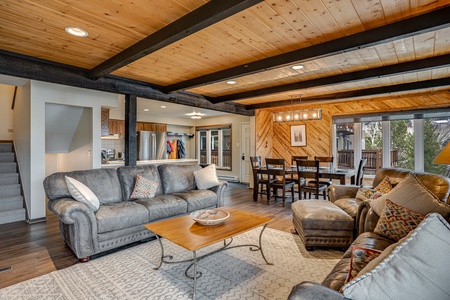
(120, 163)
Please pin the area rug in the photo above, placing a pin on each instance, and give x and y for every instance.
(232, 274)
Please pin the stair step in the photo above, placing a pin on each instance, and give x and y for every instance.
(9, 178)
(6, 147)
(8, 167)
(13, 215)
(10, 190)
(6, 157)
(10, 203)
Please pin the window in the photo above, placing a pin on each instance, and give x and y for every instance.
(409, 140)
(214, 146)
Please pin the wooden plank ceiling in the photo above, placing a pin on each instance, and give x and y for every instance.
(186, 46)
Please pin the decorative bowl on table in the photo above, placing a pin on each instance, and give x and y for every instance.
(210, 216)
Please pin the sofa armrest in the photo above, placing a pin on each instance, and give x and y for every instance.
(220, 191)
(337, 191)
(311, 290)
(366, 218)
(79, 225)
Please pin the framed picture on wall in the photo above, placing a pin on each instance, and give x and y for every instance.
(298, 135)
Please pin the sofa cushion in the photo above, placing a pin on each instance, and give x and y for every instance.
(410, 193)
(397, 221)
(411, 269)
(164, 206)
(198, 199)
(82, 193)
(177, 178)
(114, 216)
(127, 176)
(349, 205)
(104, 183)
(144, 188)
(206, 178)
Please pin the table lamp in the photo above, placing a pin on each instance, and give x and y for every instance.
(444, 156)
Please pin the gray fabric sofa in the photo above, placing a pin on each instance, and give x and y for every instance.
(119, 220)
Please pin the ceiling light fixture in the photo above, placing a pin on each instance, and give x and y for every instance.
(146, 109)
(195, 115)
(163, 106)
(231, 82)
(297, 115)
(76, 31)
(297, 67)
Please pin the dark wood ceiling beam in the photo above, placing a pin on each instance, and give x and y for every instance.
(420, 24)
(391, 70)
(22, 66)
(404, 87)
(206, 15)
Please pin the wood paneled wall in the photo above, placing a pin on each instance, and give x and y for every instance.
(318, 133)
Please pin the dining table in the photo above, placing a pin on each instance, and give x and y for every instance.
(324, 172)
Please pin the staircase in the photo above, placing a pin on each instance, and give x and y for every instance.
(11, 200)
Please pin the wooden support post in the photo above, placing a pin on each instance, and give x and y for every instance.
(130, 130)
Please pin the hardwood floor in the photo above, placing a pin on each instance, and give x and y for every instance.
(36, 249)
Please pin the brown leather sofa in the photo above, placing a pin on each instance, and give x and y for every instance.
(366, 220)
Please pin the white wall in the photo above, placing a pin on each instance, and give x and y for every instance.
(22, 136)
(6, 113)
(79, 157)
(29, 128)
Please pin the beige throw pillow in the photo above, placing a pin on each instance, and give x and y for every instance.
(82, 193)
(410, 193)
(414, 268)
(206, 178)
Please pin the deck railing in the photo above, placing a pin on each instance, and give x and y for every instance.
(374, 158)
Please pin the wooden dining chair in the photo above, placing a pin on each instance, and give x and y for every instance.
(261, 179)
(293, 176)
(328, 160)
(310, 169)
(360, 174)
(276, 169)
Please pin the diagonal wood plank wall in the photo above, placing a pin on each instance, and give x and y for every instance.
(318, 133)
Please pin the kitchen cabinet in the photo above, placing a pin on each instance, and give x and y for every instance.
(118, 127)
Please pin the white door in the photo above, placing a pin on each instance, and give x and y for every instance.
(246, 170)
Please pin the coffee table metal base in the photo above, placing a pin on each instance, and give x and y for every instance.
(226, 245)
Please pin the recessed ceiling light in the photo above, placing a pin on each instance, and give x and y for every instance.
(76, 31)
(196, 117)
(231, 82)
(146, 109)
(163, 106)
(297, 67)
(195, 114)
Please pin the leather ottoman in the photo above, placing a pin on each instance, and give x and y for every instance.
(322, 223)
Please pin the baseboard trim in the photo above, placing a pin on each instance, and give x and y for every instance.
(37, 220)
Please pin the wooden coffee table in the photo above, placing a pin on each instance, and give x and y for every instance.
(185, 232)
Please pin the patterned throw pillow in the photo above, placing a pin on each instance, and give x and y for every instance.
(360, 258)
(397, 221)
(384, 186)
(144, 188)
(367, 194)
